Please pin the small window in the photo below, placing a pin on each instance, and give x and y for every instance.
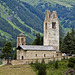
(36, 55)
(57, 54)
(44, 55)
(54, 25)
(22, 39)
(46, 25)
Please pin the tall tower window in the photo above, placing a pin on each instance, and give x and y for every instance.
(54, 25)
(22, 39)
(44, 55)
(46, 25)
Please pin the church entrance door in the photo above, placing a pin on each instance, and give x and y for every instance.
(22, 57)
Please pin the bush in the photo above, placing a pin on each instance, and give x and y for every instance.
(43, 61)
(42, 69)
(72, 59)
(56, 64)
(31, 63)
(70, 64)
(37, 65)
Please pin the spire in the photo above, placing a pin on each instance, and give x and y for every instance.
(48, 14)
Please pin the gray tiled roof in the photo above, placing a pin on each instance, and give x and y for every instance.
(35, 47)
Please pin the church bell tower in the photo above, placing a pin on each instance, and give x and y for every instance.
(51, 30)
(21, 40)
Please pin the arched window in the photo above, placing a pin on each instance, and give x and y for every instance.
(22, 58)
(36, 55)
(44, 55)
(22, 39)
(54, 25)
(46, 25)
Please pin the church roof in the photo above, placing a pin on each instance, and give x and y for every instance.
(36, 47)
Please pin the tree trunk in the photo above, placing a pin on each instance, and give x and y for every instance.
(7, 59)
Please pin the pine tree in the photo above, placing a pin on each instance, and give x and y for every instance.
(6, 51)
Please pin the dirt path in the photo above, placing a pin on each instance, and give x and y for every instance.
(16, 70)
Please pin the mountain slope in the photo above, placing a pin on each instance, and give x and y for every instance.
(65, 10)
(27, 16)
(67, 3)
(17, 17)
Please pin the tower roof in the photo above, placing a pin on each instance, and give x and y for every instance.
(21, 35)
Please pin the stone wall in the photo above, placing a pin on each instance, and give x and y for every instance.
(28, 61)
(35, 54)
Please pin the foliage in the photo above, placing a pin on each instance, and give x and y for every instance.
(56, 64)
(43, 61)
(6, 51)
(17, 17)
(72, 59)
(50, 68)
(15, 55)
(42, 69)
(38, 40)
(31, 63)
(68, 43)
(70, 64)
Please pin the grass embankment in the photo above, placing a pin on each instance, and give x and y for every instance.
(16, 70)
(50, 68)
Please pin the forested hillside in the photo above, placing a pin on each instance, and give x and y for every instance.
(65, 10)
(19, 17)
(27, 16)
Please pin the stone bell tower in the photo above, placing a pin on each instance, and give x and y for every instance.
(51, 30)
(21, 40)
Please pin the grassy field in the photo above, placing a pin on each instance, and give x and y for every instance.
(16, 70)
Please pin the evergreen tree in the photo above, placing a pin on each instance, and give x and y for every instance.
(6, 51)
(56, 64)
(73, 40)
(67, 43)
(42, 69)
(43, 61)
(38, 40)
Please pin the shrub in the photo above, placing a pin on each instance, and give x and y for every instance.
(56, 64)
(72, 59)
(43, 61)
(42, 69)
(70, 64)
(31, 63)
